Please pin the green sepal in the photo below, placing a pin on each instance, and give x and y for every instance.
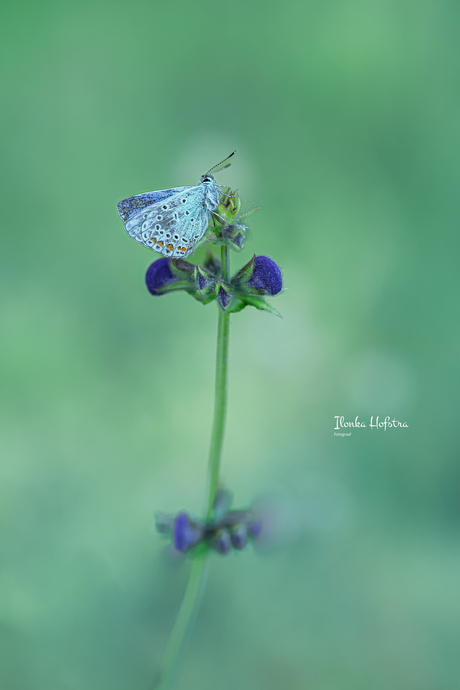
(181, 269)
(234, 236)
(203, 299)
(217, 238)
(256, 301)
(222, 284)
(225, 287)
(230, 204)
(238, 238)
(249, 213)
(245, 273)
(208, 278)
(186, 285)
(233, 229)
(208, 299)
(207, 275)
(248, 290)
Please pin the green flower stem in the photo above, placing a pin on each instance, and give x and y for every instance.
(220, 402)
(225, 257)
(197, 579)
(185, 620)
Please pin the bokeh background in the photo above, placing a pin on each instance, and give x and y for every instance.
(345, 117)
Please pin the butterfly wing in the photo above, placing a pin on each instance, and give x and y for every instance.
(171, 225)
(127, 208)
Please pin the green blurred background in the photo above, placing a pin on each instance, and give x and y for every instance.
(345, 117)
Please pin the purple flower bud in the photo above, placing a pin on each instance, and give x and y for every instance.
(234, 235)
(224, 295)
(266, 276)
(222, 543)
(159, 275)
(185, 532)
(238, 240)
(239, 537)
(224, 298)
(254, 529)
(202, 282)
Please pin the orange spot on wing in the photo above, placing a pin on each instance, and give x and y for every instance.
(160, 244)
(170, 247)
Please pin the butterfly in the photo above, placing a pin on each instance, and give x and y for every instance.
(172, 221)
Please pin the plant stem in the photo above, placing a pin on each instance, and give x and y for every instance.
(225, 256)
(197, 579)
(184, 622)
(220, 401)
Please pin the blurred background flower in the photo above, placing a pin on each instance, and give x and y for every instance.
(345, 120)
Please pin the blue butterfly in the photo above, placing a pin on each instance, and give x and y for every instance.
(172, 221)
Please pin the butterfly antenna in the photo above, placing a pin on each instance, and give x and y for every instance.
(213, 170)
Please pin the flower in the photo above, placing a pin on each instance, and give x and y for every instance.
(221, 542)
(159, 275)
(226, 529)
(266, 276)
(239, 537)
(185, 533)
(260, 276)
(205, 281)
(254, 528)
(224, 295)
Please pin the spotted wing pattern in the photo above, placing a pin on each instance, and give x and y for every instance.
(173, 225)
